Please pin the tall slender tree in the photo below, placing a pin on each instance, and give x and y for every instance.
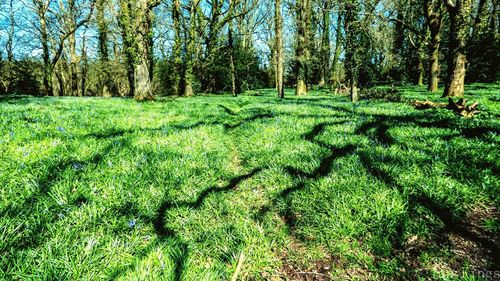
(103, 30)
(434, 18)
(351, 27)
(303, 20)
(56, 42)
(232, 55)
(325, 43)
(338, 42)
(190, 50)
(278, 28)
(177, 47)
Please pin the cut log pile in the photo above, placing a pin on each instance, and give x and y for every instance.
(460, 107)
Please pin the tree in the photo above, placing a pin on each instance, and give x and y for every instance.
(278, 25)
(71, 21)
(434, 20)
(9, 46)
(303, 20)
(459, 11)
(325, 43)
(338, 42)
(231, 47)
(136, 22)
(483, 47)
(177, 48)
(351, 27)
(8, 66)
(42, 8)
(102, 29)
(190, 50)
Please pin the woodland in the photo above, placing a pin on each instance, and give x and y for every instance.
(249, 140)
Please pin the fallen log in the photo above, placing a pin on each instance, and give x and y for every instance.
(460, 107)
(422, 105)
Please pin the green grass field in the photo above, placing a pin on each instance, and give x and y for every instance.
(307, 188)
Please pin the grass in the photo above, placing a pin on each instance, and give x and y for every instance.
(313, 186)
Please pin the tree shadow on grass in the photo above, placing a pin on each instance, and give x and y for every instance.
(427, 119)
(19, 99)
(55, 211)
(377, 130)
(321, 171)
(228, 110)
(228, 126)
(165, 233)
(380, 135)
(453, 222)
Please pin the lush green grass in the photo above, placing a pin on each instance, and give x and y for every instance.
(95, 188)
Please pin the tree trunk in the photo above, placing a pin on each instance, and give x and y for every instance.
(73, 66)
(142, 69)
(420, 81)
(274, 59)
(176, 52)
(136, 22)
(354, 90)
(325, 44)
(456, 77)
(232, 66)
(102, 27)
(433, 66)
(301, 50)
(47, 66)
(351, 47)
(338, 44)
(105, 84)
(190, 54)
(85, 66)
(11, 30)
(142, 81)
(434, 21)
(278, 25)
(459, 22)
(397, 73)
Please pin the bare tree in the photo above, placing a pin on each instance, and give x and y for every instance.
(53, 39)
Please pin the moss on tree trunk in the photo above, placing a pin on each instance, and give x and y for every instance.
(459, 30)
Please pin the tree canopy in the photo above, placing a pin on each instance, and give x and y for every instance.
(147, 48)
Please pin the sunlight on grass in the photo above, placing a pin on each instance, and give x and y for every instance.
(109, 188)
